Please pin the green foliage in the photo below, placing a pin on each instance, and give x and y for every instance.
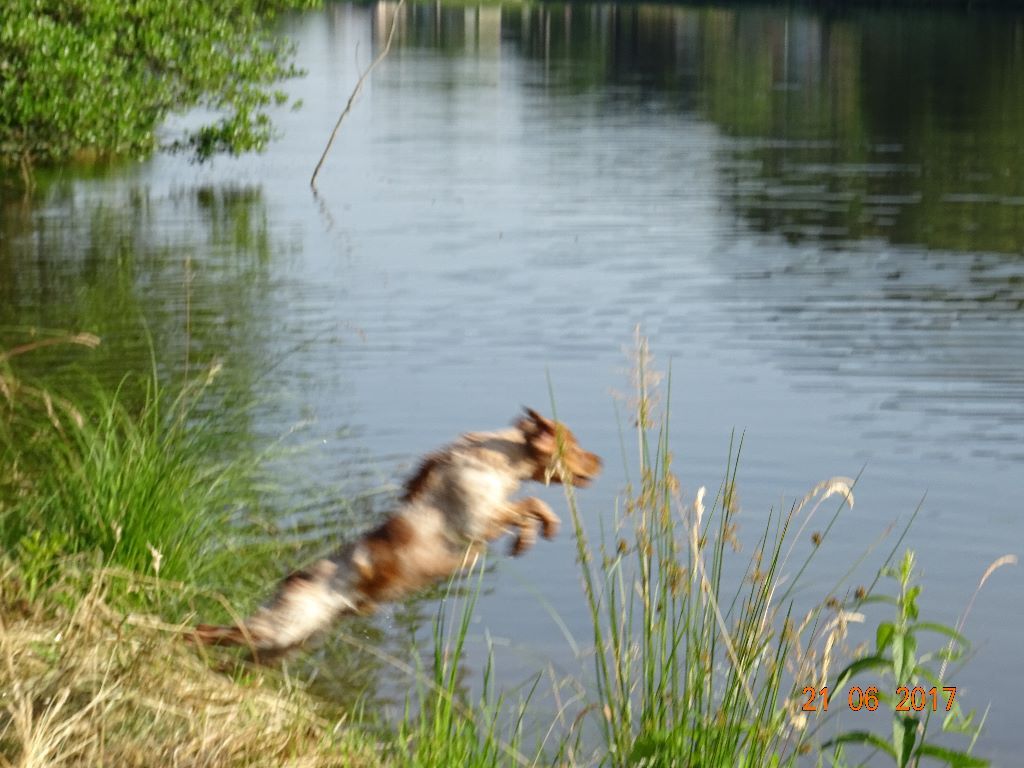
(897, 659)
(130, 480)
(689, 656)
(447, 728)
(97, 77)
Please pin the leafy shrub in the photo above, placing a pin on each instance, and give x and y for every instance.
(97, 77)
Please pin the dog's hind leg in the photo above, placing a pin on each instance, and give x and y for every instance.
(306, 602)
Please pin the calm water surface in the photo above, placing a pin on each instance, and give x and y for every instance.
(817, 219)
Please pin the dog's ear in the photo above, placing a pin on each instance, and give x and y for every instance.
(533, 422)
(540, 433)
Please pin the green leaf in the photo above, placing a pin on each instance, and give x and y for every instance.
(910, 604)
(906, 566)
(898, 649)
(949, 654)
(883, 635)
(861, 737)
(956, 721)
(904, 736)
(942, 629)
(885, 599)
(909, 660)
(868, 662)
(951, 757)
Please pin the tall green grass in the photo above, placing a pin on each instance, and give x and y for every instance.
(700, 655)
(442, 725)
(118, 510)
(132, 479)
(688, 670)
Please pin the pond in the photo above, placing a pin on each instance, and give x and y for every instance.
(815, 217)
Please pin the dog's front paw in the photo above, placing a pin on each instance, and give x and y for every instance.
(526, 537)
(550, 526)
(541, 512)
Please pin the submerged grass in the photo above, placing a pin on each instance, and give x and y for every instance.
(115, 518)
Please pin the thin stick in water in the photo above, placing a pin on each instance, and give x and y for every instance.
(355, 91)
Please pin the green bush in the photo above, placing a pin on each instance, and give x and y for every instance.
(97, 77)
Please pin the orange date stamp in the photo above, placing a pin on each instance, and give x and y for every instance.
(916, 699)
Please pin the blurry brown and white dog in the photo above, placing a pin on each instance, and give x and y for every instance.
(455, 503)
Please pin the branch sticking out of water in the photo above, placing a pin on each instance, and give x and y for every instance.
(356, 91)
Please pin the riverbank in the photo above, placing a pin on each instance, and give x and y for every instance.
(87, 683)
(118, 529)
(115, 526)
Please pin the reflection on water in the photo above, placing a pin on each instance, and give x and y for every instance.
(816, 215)
(849, 125)
(882, 147)
(129, 263)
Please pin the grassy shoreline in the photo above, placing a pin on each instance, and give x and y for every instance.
(88, 684)
(118, 523)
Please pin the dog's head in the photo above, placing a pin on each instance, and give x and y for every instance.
(555, 451)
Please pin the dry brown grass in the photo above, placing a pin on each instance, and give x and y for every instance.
(82, 684)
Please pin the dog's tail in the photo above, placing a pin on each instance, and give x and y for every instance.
(306, 602)
(211, 634)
